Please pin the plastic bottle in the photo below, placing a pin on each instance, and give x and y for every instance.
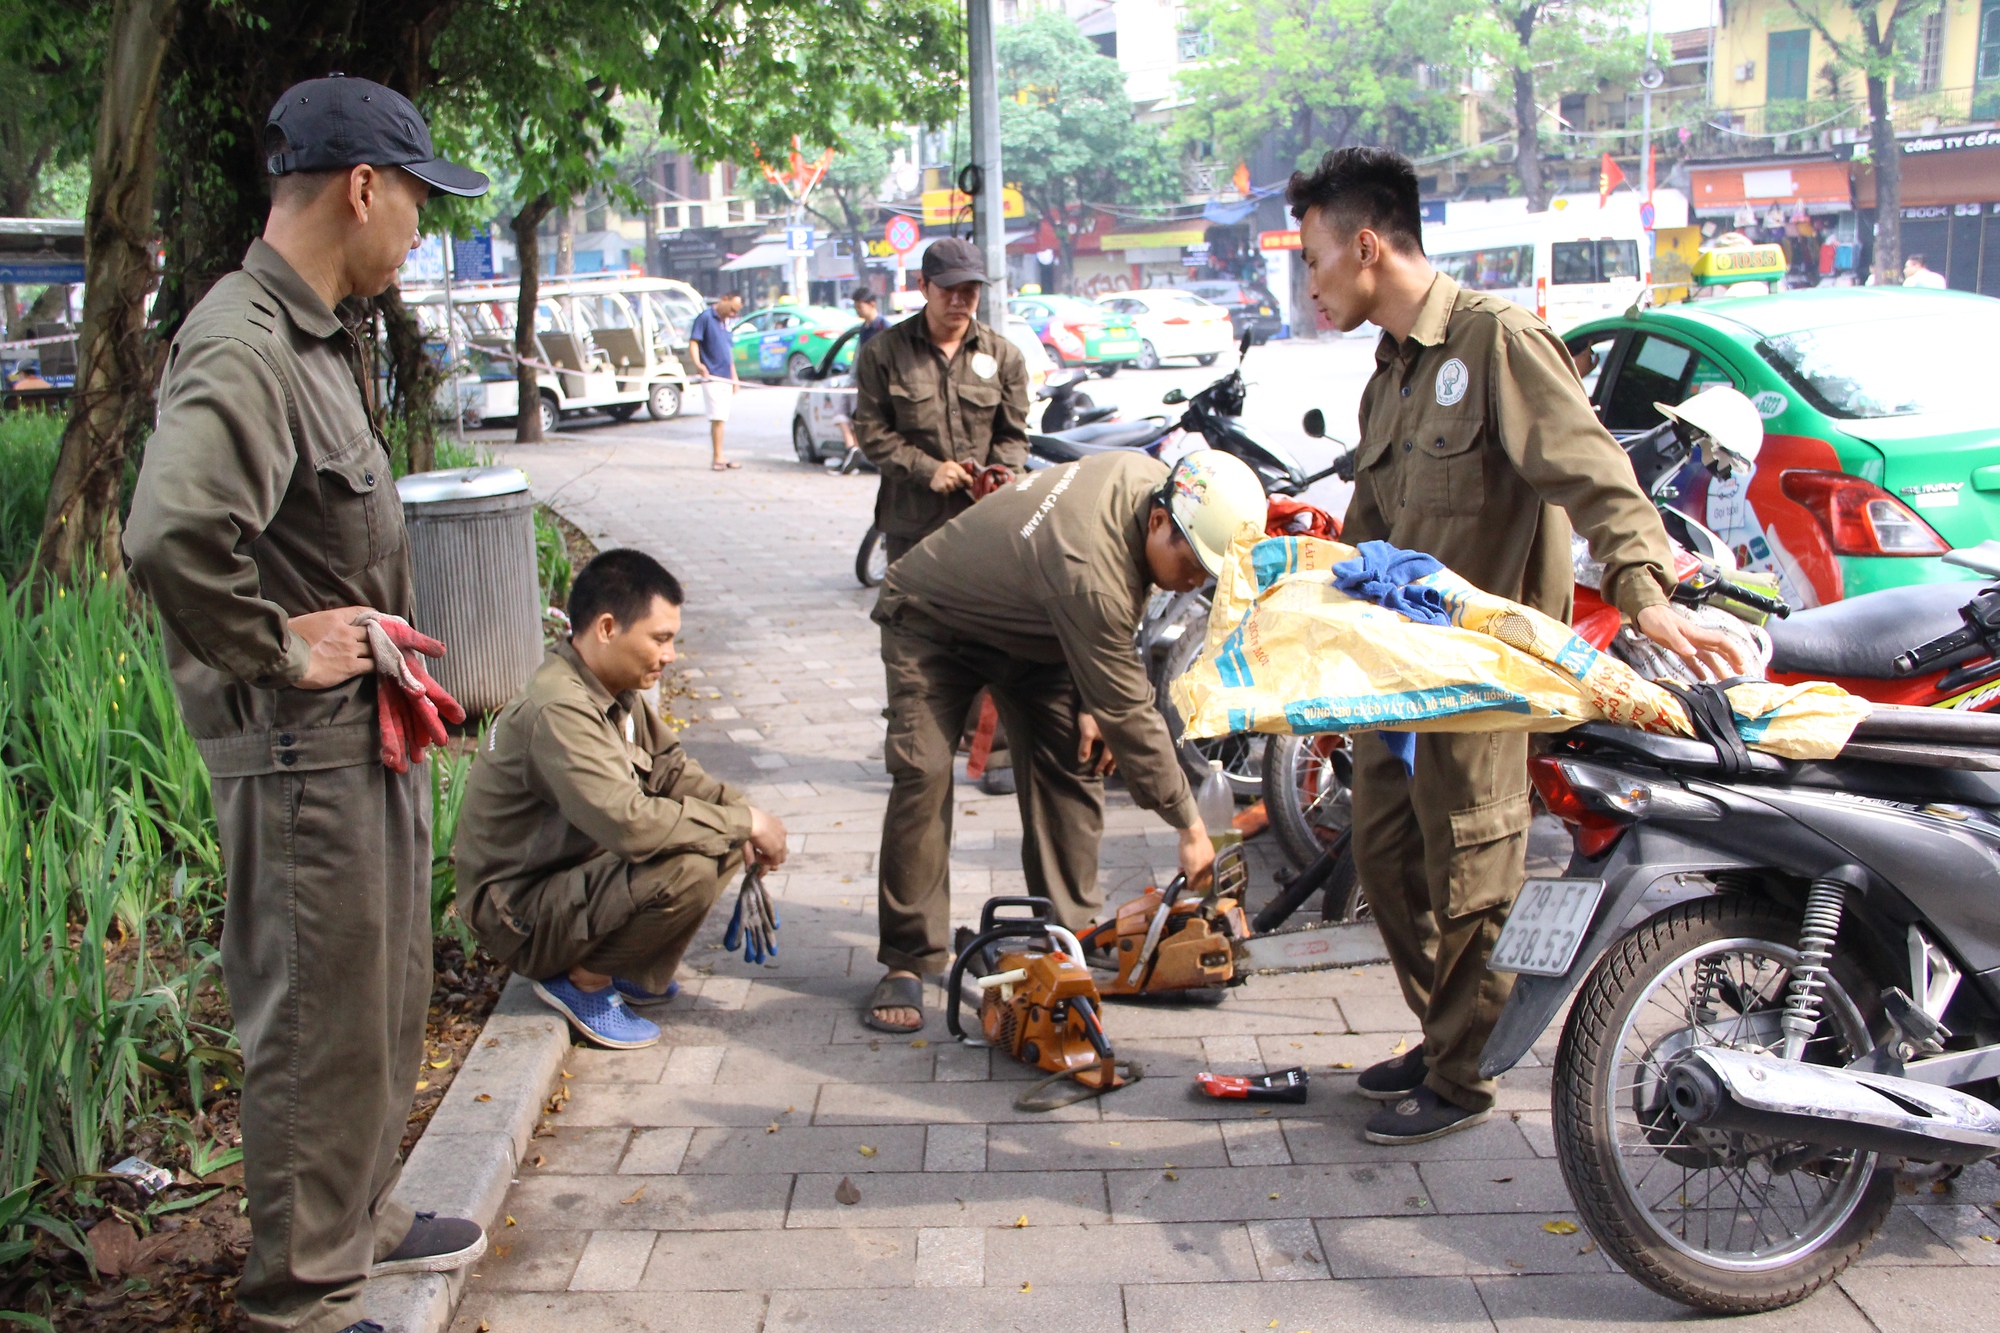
(1217, 806)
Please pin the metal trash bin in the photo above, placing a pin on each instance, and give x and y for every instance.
(472, 550)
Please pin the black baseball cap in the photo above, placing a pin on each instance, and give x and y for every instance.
(949, 261)
(335, 122)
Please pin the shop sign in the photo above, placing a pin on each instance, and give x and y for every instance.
(1278, 240)
(943, 207)
(1750, 263)
(1194, 256)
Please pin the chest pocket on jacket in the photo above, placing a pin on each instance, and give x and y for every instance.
(1446, 469)
(913, 406)
(357, 501)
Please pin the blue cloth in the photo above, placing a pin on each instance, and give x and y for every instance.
(710, 337)
(1383, 575)
(1402, 744)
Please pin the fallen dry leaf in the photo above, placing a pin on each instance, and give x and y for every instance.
(485, 1327)
(1025, 1286)
(1263, 1110)
(483, 1097)
(1401, 1047)
(633, 1197)
(1171, 1176)
(1116, 1143)
(510, 1219)
(1503, 1180)
(1560, 1227)
(771, 1128)
(1021, 1221)
(865, 1150)
(541, 1160)
(422, 1083)
(920, 1043)
(114, 1246)
(440, 1064)
(492, 1041)
(1589, 1247)
(845, 1193)
(502, 1251)
(1274, 1196)
(1345, 1064)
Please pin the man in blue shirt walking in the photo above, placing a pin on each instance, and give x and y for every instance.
(708, 338)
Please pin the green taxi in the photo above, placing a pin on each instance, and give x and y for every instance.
(1882, 443)
(779, 343)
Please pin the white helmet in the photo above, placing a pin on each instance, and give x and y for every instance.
(1211, 495)
(1729, 420)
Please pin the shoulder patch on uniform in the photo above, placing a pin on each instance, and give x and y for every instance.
(1453, 379)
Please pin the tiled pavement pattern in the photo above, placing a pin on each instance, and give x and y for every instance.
(691, 1186)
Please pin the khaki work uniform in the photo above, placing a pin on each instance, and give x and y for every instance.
(1035, 593)
(914, 410)
(588, 837)
(1476, 442)
(266, 494)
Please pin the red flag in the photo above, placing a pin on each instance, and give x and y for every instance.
(1241, 178)
(1651, 178)
(1609, 178)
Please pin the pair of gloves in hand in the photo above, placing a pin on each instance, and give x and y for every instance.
(413, 708)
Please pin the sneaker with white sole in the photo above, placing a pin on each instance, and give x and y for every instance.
(433, 1244)
(602, 1016)
(1419, 1118)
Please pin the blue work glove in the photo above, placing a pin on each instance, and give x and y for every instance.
(754, 924)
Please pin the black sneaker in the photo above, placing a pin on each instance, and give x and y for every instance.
(1419, 1118)
(365, 1326)
(1394, 1079)
(434, 1245)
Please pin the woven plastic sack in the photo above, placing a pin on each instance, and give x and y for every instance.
(1289, 653)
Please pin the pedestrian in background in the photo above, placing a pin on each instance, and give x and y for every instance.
(1917, 273)
(871, 319)
(264, 524)
(713, 348)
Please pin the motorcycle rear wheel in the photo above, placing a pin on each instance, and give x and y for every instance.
(871, 562)
(1655, 1191)
(1306, 794)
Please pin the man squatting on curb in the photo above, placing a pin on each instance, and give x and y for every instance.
(265, 523)
(591, 846)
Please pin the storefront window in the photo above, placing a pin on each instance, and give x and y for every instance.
(1989, 41)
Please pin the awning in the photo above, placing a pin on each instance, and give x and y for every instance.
(1967, 175)
(1761, 184)
(1192, 232)
(764, 254)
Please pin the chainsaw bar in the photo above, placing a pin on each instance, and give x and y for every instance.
(1310, 949)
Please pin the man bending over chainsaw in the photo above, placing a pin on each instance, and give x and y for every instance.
(590, 846)
(1035, 593)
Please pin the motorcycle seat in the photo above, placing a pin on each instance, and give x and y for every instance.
(1861, 636)
(1100, 438)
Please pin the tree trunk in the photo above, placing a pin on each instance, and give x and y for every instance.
(414, 379)
(110, 409)
(1527, 140)
(528, 406)
(1888, 167)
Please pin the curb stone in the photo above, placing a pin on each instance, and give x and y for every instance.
(462, 1165)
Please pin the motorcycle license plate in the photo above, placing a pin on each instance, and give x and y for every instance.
(1546, 926)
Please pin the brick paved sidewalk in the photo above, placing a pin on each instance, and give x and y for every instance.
(691, 1187)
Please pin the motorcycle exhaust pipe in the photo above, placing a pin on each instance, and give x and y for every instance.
(1751, 1093)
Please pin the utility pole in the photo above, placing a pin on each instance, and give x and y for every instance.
(989, 228)
(1647, 81)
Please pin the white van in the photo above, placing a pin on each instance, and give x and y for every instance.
(616, 341)
(1568, 265)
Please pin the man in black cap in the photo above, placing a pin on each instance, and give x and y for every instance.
(265, 527)
(939, 397)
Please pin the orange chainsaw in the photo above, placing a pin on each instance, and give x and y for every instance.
(1038, 1002)
(1166, 941)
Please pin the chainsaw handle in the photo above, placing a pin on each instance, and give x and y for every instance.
(1093, 1028)
(989, 915)
(1005, 930)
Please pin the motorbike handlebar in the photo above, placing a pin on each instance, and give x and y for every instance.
(1979, 635)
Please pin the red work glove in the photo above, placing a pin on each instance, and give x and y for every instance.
(990, 479)
(1295, 518)
(408, 701)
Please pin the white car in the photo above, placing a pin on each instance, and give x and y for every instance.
(1173, 323)
(816, 433)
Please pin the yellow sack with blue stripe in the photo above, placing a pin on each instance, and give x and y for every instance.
(1288, 652)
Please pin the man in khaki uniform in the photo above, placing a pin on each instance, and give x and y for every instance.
(938, 397)
(1477, 447)
(1036, 594)
(264, 523)
(590, 846)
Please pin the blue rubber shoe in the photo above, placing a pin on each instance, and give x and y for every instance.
(600, 1015)
(638, 994)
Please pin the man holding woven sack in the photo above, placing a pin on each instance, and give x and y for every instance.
(1478, 447)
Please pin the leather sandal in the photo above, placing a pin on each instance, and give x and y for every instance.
(895, 993)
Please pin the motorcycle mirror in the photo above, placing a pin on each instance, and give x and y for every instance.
(1315, 424)
(1174, 396)
(1243, 348)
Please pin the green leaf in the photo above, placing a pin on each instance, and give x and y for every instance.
(178, 1204)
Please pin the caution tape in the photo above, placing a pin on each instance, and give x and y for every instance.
(37, 342)
(518, 359)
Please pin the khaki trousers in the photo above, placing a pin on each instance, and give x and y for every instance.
(931, 686)
(326, 952)
(628, 919)
(1441, 857)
